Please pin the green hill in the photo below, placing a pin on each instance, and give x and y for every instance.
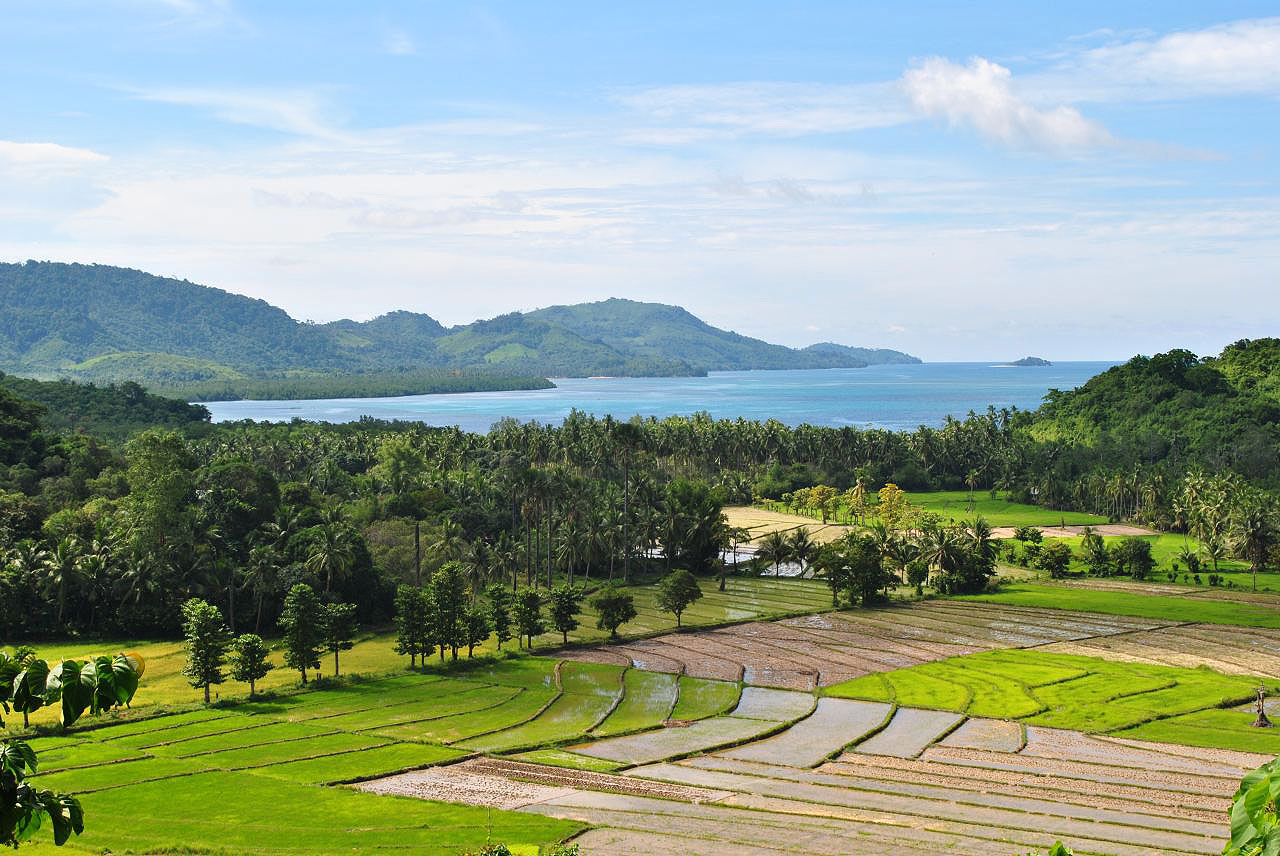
(111, 412)
(105, 324)
(1217, 412)
(870, 356)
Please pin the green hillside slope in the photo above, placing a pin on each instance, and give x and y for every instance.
(102, 323)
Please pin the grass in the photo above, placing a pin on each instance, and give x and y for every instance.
(571, 760)
(953, 506)
(219, 812)
(1217, 729)
(245, 777)
(646, 701)
(701, 698)
(590, 691)
(1173, 608)
(1054, 690)
(1164, 549)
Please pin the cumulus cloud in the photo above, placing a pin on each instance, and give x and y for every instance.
(47, 154)
(980, 95)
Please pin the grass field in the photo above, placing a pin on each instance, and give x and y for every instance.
(1055, 690)
(954, 506)
(1165, 550)
(1162, 607)
(745, 599)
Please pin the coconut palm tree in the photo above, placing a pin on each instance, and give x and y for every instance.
(64, 570)
(802, 546)
(1254, 531)
(774, 549)
(332, 553)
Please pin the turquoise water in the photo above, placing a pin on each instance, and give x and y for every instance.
(896, 397)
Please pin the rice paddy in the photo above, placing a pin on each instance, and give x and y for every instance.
(971, 727)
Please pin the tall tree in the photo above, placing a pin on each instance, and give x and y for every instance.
(302, 621)
(206, 643)
(448, 596)
(499, 612)
(339, 623)
(249, 660)
(614, 608)
(528, 614)
(676, 592)
(565, 603)
(413, 624)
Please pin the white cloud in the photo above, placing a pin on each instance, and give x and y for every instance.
(980, 95)
(1241, 57)
(47, 154)
(291, 111)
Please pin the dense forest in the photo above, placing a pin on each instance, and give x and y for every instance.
(102, 323)
(105, 536)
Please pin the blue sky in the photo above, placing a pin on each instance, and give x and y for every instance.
(1086, 180)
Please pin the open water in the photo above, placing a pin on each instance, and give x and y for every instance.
(895, 397)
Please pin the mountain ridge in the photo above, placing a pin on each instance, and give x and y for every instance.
(106, 323)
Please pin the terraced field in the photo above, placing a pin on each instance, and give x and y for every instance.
(946, 726)
(806, 652)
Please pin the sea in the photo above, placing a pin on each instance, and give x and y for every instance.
(897, 397)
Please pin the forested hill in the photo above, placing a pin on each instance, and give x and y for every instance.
(110, 412)
(1221, 413)
(96, 322)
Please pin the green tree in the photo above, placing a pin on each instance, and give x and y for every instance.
(528, 614)
(1133, 556)
(302, 621)
(448, 598)
(614, 607)
(1094, 551)
(413, 624)
(1054, 558)
(338, 621)
(564, 602)
(477, 626)
(1254, 530)
(24, 808)
(893, 509)
(499, 612)
(676, 592)
(207, 640)
(249, 660)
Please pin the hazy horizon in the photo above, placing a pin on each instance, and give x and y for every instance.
(1079, 183)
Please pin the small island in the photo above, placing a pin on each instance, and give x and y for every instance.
(1031, 361)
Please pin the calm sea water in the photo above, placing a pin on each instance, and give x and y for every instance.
(895, 397)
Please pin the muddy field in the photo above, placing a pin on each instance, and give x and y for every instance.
(820, 650)
(979, 790)
(1233, 650)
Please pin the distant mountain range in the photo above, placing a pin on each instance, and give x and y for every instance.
(102, 323)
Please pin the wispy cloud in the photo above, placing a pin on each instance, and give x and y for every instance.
(1240, 57)
(47, 154)
(980, 95)
(300, 112)
(775, 109)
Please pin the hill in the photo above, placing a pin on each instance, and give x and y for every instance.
(110, 412)
(870, 356)
(102, 323)
(1216, 412)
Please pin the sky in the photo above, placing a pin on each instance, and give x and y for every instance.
(960, 181)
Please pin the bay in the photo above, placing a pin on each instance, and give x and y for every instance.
(894, 397)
